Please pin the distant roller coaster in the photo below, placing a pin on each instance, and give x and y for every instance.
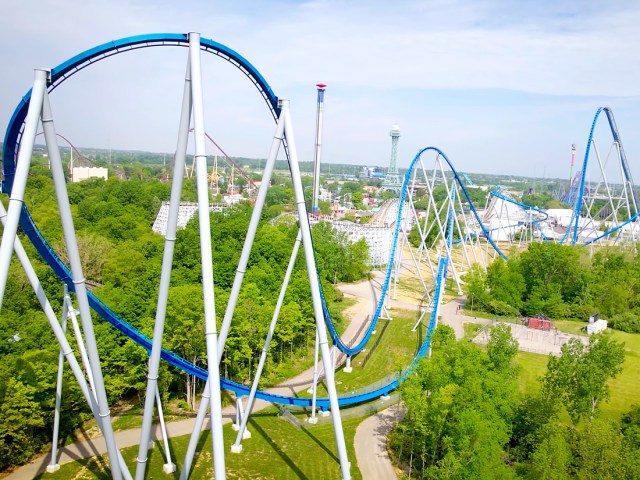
(601, 195)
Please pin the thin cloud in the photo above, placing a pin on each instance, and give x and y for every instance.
(488, 81)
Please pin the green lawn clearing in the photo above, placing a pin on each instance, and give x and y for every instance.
(276, 450)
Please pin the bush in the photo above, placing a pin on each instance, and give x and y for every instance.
(582, 312)
(627, 322)
(556, 308)
(502, 308)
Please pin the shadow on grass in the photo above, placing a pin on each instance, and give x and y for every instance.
(95, 466)
(320, 444)
(419, 338)
(204, 436)
(278, 451)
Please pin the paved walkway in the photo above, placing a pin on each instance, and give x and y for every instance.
(451, 315)
(536, 341)
(371, 444)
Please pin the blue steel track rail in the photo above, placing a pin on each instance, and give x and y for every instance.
(572, 231)
(337, 341)
(525, 207)
(81, 61)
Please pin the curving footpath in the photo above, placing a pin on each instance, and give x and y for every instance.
(371, 444)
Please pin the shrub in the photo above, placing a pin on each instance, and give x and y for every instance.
(627, 322)
(502, 308)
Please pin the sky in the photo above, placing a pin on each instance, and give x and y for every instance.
(502, 87)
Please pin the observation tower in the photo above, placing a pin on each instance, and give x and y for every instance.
(392, 180)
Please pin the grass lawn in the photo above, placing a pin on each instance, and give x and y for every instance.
(624, 389)
(276, 450)
(395, 350)
(471, 330)
(532, 367)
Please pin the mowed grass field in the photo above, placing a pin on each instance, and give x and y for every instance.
(396, 347)
(277, 450)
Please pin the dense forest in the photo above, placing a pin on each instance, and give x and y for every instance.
(122, 257)
(467, 419)
(562, 282)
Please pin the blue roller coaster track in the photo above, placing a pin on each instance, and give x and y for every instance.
(572, 231)
(524, 207)
(79, 62)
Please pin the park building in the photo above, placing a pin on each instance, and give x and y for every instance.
(186, 211)
(378, 233)
(78, 174)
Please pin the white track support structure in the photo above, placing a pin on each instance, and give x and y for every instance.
(235, 289)
(82, 349)
(314, 386)
(79, 283)
(211, 335)
(165, 277)
(244, 416)
(168, 467)
(16, 199)
(436, 208)
(315, 292)
(53, 464)
(605, 208)
(39, 107)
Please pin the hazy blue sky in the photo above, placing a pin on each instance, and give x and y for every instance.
(500, 86)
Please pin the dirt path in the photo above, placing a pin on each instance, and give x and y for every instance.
(451, 315)
(356, 315)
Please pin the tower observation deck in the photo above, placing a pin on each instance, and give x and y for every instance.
(392, 180)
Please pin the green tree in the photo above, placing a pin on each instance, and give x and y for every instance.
(20, 417)
(553, 457)
(581, 374)
(599, 452)
(356, 199)
(502, 348)
(185, 330)
(325, 207)
(552, 268)
(457, 421)
(533, 413)
(476, 286)
(505, 283)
